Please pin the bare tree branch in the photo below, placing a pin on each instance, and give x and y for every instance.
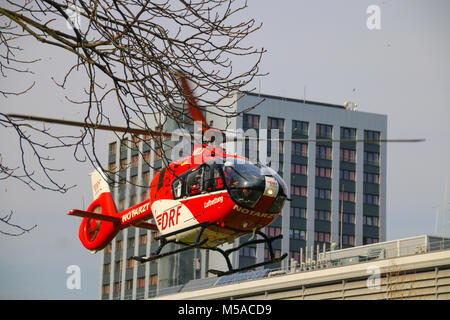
(129, 54)
(20, 230)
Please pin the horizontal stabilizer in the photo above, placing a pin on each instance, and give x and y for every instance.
(93, 215)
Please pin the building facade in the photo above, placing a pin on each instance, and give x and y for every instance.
(337, 190)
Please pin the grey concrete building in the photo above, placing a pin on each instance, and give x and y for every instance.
(320, 174)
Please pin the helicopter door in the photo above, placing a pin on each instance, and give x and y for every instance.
(215, 180)
(195, 180)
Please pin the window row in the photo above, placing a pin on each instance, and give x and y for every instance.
(371, 221)
(297, 212)
(349, 175)
(323, 194)
(370, 240)
(322, 236)
(372, 158)
(347, 196)
(299, 190)
(323, 215)
(299, 149)
(348, 240)
(247, 252)
(323, 172)
(371, 178)
(372, 199)
(299, 168)
(296, 234)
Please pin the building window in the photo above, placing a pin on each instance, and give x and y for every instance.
(136, 141)
(147, 157)
(294, 255)
(369, 240)
(300, 127)
(348, 133)
(349, 175)
(299, 149)
(323, 172)
(273, 231)
(348, 240)
(323, 194)
(251, 121)
(247, 252)
(123, 145)
(143, 239)
(141, 282)
(347, 196)
(129, 284)
(112, 167)
(295, 234)
(105, 289)
(348, 155)
(324, 131)
(298, 190)
(372, 158)
(158, 153)
(321, 236)
(123, 164)
(371, 178)
(371, 221)
(275, 123)
(119, 245)
(298, 212)
(372, 199)
(276, 252)
(107, 268)
(112, 148)
(323, 152)
(121, 204)
(134, 161)
(299, 169)
(347, 217)
(130, 243)
(154, 280)
(323, 215)
(372, 136)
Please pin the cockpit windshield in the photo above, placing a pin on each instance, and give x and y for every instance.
(244, 181)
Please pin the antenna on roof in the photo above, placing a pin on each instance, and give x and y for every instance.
(259, 89)
(350, 105)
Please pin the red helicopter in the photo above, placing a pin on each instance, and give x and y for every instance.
(200, 201)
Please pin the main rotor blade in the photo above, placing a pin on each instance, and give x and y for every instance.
(194, 109)
(332, 140)
(135, 131)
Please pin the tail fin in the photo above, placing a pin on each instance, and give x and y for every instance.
(95, 234)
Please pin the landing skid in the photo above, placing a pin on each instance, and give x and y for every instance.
(157, 255)
(225, 253)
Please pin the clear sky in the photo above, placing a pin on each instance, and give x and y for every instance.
(401, 70)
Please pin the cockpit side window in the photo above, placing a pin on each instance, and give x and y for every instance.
(179, 187)
(214, 181)
(195, 180)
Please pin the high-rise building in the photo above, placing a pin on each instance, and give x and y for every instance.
(337, 189)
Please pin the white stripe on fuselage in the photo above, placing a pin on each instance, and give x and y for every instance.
(173, 215)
